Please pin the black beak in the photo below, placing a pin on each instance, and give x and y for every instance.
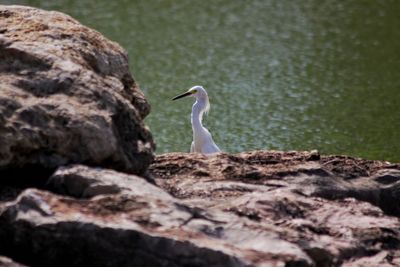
(182, 95)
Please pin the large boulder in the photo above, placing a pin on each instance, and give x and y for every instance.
(67, 96)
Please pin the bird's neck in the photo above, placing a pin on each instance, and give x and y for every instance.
(197, 114)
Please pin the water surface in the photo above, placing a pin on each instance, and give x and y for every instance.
(281, 74)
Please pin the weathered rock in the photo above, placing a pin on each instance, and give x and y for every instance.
(6, 262)
(249, 209)
(139, 225)
(337, 210)
(67, 96)
(82, 182)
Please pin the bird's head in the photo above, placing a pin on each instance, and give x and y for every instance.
(200, 94)
(196, 91)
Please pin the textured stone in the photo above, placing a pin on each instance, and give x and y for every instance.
(250, 209)
(67, 96)
(336, 209)
(6, 262)
(133, 224)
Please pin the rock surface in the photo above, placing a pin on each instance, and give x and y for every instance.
(250, 209)
(135, 224)
(336, 210)
(67, 96)
(6, 262)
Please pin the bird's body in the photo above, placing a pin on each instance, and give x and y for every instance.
(202, 139)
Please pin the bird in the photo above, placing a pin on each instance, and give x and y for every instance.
(202, 139)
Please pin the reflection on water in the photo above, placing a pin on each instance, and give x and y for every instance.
(281, 74)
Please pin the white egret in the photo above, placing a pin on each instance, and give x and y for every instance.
(202, 139)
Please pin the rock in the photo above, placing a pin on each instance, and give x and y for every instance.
(135, 225)
(337, 210)
(80, 181)
(250, 209)
(67, 96)
(6, 262)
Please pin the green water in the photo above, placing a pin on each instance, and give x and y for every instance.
(281, 74)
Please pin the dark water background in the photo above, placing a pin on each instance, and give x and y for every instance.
(281, 74)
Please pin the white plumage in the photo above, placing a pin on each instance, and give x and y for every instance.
(202, 139)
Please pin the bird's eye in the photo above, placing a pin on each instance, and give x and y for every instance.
(194, 91)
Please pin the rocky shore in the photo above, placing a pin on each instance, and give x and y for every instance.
(80, 184)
